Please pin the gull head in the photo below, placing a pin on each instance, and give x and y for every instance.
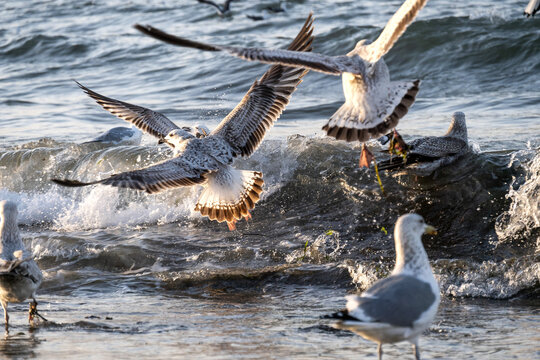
(410, 253)
(8, 208)
(458, 126)
(409, 230)
(177, 138)
(360, 48)
(200, 131)
(8, 212)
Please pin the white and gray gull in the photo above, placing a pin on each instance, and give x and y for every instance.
(425, 155)
(229, 194)
(20, 276)
(403, 305)
(373, 103)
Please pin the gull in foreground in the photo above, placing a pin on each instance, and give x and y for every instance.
(20, 276)
(229, 194)
(403, 305)
(425, 155)
(532, 8)
(373, 104)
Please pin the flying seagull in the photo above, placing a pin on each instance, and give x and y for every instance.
(373, 104)
(532, 8)
(425, 155)
(222, 10)
(20, 276)
(403, 305)
(229, 194)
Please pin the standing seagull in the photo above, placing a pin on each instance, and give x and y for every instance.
(427, 154)
(373, 104)
(532, 8)
(403, 305)
(20, 276)
(229, 194)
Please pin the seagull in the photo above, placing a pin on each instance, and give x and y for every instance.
(229, 193)
(119, 135)
(403, 305)
(221, 9)
(532, 8)
(20, 276)
(373, 104)
(425, 155)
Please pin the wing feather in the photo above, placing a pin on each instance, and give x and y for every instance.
(173, 173)
(397, 24)
(437, 147)
(245, 126)
(292, 57)
(151, 122)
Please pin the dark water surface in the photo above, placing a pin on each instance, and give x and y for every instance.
(131, 275)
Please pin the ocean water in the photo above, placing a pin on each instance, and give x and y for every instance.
(135, 275)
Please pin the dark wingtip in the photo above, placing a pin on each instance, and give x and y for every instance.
(173, 39)
(392, 164)
(69, 183)
(340, 315)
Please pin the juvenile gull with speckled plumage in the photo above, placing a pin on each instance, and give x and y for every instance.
(427, 154)
(20, 276)
(229, 194)
(403, 305)
(373, 104)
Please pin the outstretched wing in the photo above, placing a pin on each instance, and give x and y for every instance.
(397, 24)
(149, 121)
(188, 169)
(292, 57)
(246, 125)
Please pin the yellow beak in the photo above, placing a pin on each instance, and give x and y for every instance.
(430, 230)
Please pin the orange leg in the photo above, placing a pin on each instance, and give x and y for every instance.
(366, 157)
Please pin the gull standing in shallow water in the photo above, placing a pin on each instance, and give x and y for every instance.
(373, 104)
(20, 276)
(229, 194)
(403, 305)
(425, 155)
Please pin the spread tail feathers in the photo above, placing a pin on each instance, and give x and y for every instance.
(230, 194)
(353, 122)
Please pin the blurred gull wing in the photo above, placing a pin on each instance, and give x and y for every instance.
(149, 121)
(397, 24)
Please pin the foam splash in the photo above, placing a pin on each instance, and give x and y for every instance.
(522, 220)
(28, 169)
